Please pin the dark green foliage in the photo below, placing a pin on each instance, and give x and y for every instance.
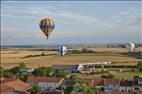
(7, 74)
(23, 77)
(108, 76)
(82, 88)
(1, 71)
(139, 66)
(68, 89)
(43, 71)
(35, 89)
(59, 73)
(47, 71)
(18, 68)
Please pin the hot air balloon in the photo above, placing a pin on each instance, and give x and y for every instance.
(62, 50)
(131, 46)
(47, 26)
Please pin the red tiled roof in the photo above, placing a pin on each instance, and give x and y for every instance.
(98, 82)
(114, 93)
(112, 81)
(101, 82)
(45, 79)
(5, 88)
(5, 80)
(126, 83)
(139, 92)
(16, 84)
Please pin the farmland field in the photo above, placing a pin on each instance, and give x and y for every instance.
(118, 75)
(12, 57)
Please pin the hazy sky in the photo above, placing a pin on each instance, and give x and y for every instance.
(76, 22)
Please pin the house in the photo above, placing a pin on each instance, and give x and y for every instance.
(126, 85)
(90, 67)
(98, 83)
(106, 85)
(13, 86)
(26, 71)
(137, 84)
(111, 85)
(5, 89)
(45, 82)
(116, 86)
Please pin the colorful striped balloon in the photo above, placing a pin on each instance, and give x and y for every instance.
(47, 26)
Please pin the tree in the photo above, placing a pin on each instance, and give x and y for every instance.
(68, 89)
(18, 68)
(108, 76)
(8, 74)
(23, 77)
(59, 73)
(139, 66)
(35, 89)
(14, 70)
(43, 71)
(1, 68)
(82, 88)
(1, 71)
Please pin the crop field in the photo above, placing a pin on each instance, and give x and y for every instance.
(118, 75)
(11, 58)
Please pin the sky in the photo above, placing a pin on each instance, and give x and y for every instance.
(76, 22)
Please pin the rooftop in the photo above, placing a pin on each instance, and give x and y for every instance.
(45, 79)
(5, 88)
(16, 84)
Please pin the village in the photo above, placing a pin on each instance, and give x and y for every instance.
(56, 80)
(71, 47)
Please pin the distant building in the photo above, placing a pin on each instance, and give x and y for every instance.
(116, 86)
(26, 71)
(126, 85)
(89, 67)
(111, 85)
(45, 82)
(13, 86)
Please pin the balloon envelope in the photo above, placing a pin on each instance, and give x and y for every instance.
(132, 46)
(62, 50)
(47, 26)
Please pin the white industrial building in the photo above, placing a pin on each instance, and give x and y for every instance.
(89, 67)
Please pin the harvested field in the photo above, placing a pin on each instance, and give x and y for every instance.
(10, 58)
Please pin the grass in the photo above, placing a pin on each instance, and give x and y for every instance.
(119, 75)
(127, 75)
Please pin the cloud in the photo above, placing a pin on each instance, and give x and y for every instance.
(34, 11)
(125, 25)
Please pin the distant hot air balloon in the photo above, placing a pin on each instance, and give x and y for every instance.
(131, 46)
(47, 26)
(62, 50)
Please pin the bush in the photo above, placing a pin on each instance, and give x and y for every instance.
(108, 76)
(7, 74)
(23, 77)
(139, 66)
(35, 89)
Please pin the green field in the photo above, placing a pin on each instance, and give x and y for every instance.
(118, 75)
